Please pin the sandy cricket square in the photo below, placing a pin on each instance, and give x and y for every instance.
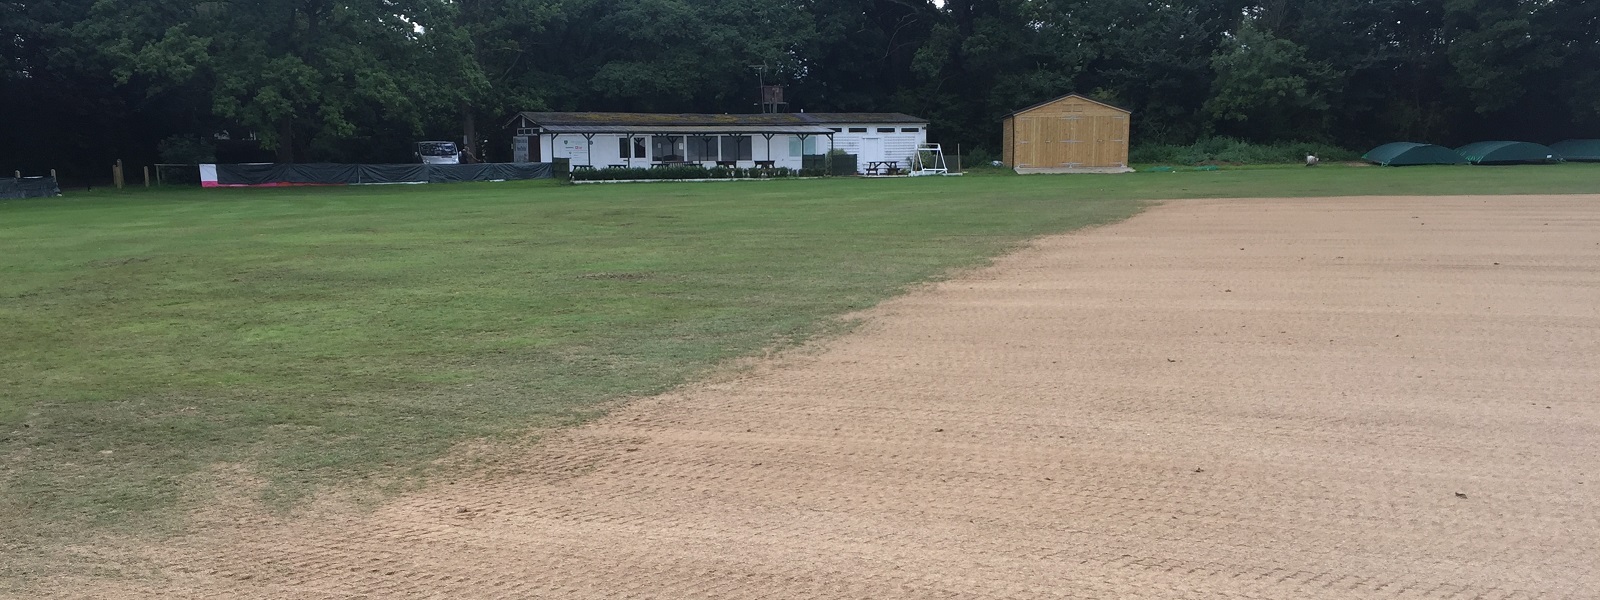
(1272, 398)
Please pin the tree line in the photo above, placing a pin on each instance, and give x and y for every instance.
(88, 81)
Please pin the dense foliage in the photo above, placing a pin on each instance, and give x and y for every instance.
(85, 81)
(1223, 150)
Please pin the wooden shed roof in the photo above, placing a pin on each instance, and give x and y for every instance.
(1060, 98)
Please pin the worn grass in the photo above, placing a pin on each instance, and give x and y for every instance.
(331, 334)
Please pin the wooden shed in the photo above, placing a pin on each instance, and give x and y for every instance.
(1070, 134)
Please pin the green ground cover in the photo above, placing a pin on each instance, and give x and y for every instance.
(320, 335)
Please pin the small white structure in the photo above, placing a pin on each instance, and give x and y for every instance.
(600, 140)
(929, 160)
(880, 141)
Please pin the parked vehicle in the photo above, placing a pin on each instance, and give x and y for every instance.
(438, 153)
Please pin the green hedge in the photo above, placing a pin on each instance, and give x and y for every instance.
(1224, 150)
(689, 172)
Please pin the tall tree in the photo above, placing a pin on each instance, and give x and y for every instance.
(665, 55)
(357, 80)
(1266, 88)
(1496, 50)
(1389, 56)
(1571, 27)
(64, 108)
(1152, 57)
(861, 53)
(478, 52)
(295, 72)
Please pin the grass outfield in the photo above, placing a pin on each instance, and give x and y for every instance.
(330, 334)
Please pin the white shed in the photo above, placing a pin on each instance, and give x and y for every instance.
(874, 137)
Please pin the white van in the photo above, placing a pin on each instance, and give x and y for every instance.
(438, 153)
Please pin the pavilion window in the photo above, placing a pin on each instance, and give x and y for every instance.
(624, 142)
(737, 147)
(702, 148)
(799, 147)
(667, 148)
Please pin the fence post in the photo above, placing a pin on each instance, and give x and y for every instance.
(147, 177)
(19, 174)
(116, 173)
(958, 158)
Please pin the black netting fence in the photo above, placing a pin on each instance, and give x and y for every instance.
(29, 187)
(348, 174)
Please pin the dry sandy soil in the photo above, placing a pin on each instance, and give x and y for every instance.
(1291, 399)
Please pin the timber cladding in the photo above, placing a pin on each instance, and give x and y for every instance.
(1067, 135)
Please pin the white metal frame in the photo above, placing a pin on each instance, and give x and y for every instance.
(929, 160)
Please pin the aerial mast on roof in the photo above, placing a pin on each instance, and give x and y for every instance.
(771, 95)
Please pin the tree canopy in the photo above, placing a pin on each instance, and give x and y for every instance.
(87, 81)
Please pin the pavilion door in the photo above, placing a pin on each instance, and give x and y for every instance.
(871, 149)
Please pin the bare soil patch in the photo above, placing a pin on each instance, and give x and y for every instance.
(1311, 398)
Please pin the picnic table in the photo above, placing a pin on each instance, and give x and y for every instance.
(766, 164)
(583, 167)
(883, 167)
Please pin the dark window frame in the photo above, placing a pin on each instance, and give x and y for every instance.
(701, 148)
(672, 143)
(743, 147)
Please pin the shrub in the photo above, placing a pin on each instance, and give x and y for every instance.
(977, 157)
(187, 150)
(1231, 151)
(680, 172)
